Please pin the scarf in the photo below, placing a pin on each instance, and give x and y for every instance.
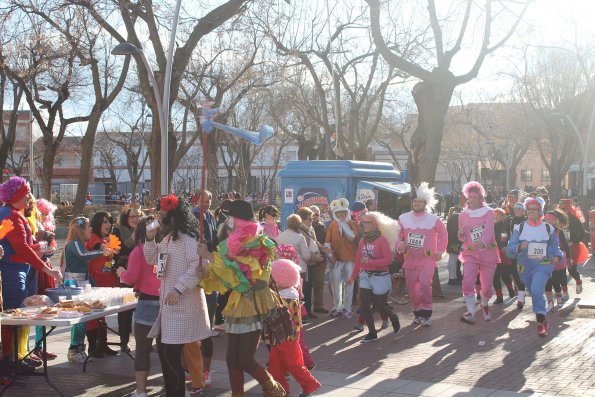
(371, 235)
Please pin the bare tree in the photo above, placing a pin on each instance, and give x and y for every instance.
(438, 38)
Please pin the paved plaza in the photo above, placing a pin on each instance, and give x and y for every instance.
(499, 358)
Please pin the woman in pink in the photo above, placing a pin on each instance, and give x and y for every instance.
(142, 276)
(479, 254)
(422, 241)
(268, 221)
(372, 258)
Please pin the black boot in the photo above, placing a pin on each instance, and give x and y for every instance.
(94, 350)
(102, 343)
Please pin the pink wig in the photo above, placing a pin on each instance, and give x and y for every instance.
(285, 273)
(46, 207)
(473, 187)
(243, 230)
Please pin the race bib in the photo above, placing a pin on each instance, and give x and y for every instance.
(477, 233)
(161, 260)
(537, 251)
(415, 240)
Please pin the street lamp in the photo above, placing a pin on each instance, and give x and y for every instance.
(130, 49)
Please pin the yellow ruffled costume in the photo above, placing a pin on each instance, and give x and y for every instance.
(247, 276)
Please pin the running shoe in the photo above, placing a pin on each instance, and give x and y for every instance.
(542, 329)
(426, 322)
(48, 355)
(550, 306)
(384, 324)
(396, 324)
(207, 378)
(347, 313)
(499, 300)
(76, 355)
(520, 304)
(358, 327)
(369, 338)
(138, 394)
(579, 288)
(486, 313)
(565, 296)
(417, 320)
(198, 391)
(335, 313)
(468, 318)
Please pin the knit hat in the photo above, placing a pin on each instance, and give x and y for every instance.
(241, 209)
(519, 205)
(14, 189)
(513, 193)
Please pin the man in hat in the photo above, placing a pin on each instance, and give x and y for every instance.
(422, 240)
(511, 199)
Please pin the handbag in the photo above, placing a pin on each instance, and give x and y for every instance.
(278, 326)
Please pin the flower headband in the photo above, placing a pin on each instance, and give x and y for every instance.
(169, 203)
(80, 221)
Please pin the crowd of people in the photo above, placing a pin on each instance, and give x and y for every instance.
(198, 273)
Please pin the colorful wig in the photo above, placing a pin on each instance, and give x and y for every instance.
(388, 227)
(14, 190)
(46, 207)
(473, 186)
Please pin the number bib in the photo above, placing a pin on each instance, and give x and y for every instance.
(477, 233)
(162, 259)
(415, 240)
(537, 251)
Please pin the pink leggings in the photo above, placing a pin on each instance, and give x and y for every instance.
(486, 277)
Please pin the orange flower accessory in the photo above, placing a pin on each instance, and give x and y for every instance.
(5, 227)
(114, 243)
(169, 203)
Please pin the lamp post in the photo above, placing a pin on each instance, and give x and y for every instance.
(126, 48)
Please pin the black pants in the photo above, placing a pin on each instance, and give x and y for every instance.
(144, 345)
(171, 365)
(504, 273)
(368, 299)
(221, 303)
(572, 270)
(307, 291)
(125, 326)
(557, 280)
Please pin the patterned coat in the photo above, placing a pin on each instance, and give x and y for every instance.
(188, 320)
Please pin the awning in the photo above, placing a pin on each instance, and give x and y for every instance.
(400, 189)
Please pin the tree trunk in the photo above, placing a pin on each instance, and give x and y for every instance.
(432, 98)
(87, 144)
(134, 185)
(49, 155)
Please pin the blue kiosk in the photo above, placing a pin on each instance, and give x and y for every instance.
(318, 182)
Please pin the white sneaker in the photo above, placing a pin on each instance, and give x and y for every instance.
(207, 378)
(579, 288)
(215, 333)
(384, 324)
(417, 320)
(550, 306)
(138, 394)
(427, 322)
(76, 356)
(347, 313)
(486, 313)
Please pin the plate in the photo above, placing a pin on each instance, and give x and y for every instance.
(70, 314)
(44, 316)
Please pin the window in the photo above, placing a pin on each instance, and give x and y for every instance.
(526, 175)
(545, 176)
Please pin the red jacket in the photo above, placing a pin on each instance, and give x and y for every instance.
(99, 278)
(22, 249)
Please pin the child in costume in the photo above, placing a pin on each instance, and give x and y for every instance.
(535, 245)
(287, 356)
(558, 282)
(341, 239)
(242, 264)
(479, 254)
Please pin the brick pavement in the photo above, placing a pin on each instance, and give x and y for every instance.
(445, 359)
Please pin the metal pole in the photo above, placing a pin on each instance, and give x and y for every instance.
(165, 103)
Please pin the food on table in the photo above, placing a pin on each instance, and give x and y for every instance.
(66, 304)
(37, 300)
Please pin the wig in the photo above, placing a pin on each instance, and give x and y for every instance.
(535, 200)
(426, 193)
(285, 273)
(473, 187)
(183, 219)
(48, 221)
(388, 227)
(14, 189)
(286, 251)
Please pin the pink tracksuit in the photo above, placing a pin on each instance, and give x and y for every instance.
(478, 225)
(425, 235)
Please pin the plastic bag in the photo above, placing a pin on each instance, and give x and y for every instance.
(38, 300)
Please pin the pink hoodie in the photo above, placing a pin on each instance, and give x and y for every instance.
(478, 225)
(425, 235)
